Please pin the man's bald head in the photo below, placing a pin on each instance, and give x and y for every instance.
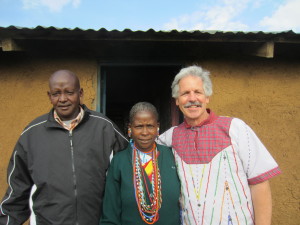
(66, 75)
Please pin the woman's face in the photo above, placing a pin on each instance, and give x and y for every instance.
(144, 130)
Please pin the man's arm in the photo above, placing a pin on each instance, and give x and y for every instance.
(262, 203)
(111, 212)
(14, 207)
(166, 138)
(120, 141)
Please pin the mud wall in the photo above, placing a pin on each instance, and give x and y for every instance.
(23, 96)
(264, 93)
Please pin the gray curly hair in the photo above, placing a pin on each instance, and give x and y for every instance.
(196, 71)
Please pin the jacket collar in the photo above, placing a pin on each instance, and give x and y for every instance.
(51, 122)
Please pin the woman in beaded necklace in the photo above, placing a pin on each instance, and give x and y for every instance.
(142, 186)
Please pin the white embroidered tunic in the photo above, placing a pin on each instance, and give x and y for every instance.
(216, 162)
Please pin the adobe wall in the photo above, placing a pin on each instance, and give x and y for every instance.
(23, 97)
(264, 93)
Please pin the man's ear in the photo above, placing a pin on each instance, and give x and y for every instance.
(49, 95)
(81, 92)
(81, 96)
(207, 99)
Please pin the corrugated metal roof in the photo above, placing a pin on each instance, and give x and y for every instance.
(40, 32)
(150, 30)
(128, 43)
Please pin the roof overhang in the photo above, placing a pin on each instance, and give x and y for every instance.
(201, 43)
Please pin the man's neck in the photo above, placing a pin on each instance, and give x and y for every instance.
(70, 124)
(198, 121)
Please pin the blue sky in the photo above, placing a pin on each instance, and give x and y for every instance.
(225, 15)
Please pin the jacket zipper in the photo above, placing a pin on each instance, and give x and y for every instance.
(74, 175)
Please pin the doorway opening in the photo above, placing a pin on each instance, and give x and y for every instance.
(123, 86)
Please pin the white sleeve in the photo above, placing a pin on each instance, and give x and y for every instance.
(258, 163)
(166, 138)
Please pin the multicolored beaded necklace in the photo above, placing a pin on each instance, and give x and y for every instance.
(148, 212)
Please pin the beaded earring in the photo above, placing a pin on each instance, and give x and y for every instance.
(157, 131)
(129, 132)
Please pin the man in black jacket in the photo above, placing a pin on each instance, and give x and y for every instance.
(65, 155)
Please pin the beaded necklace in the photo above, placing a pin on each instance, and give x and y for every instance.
(148, 212)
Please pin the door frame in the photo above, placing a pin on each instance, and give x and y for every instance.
(101, 86)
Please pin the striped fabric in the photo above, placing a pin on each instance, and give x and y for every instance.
(73, 123)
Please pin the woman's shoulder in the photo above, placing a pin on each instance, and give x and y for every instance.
(123, 153)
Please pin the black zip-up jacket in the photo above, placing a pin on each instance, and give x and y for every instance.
(68, 169)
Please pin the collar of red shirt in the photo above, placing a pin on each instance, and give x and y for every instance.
(212, 117)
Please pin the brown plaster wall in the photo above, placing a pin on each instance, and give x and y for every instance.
(23, 97)
(264, 93)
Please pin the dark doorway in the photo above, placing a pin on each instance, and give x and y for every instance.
(123, 86)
